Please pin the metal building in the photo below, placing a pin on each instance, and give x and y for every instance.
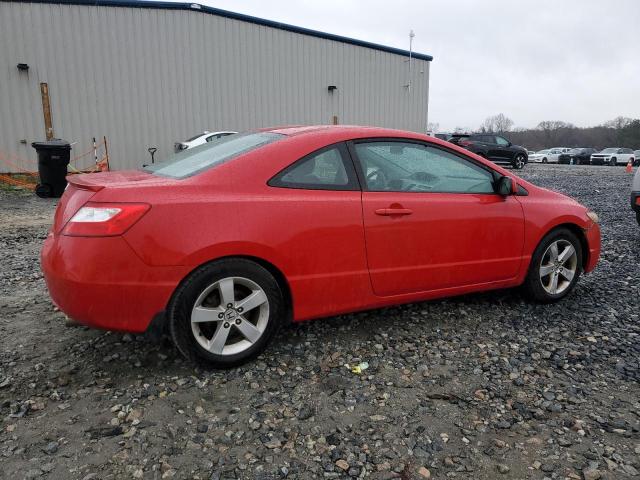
(151, 73)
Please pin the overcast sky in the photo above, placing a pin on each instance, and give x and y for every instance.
(533, 60)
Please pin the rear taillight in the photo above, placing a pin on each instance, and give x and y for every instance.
(104, 219)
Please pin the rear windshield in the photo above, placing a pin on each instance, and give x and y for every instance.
(192, 161)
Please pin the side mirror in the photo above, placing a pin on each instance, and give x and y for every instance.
(506, 186)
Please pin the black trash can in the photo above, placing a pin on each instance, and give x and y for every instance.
(53, 159)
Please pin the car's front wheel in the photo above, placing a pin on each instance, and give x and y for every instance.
(638, 217)
(225, 312)
(518, 161)
(555, 267)
(613, 162)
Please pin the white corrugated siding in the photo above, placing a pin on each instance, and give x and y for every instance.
(149, 77)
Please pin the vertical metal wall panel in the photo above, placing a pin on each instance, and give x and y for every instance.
(148, 77)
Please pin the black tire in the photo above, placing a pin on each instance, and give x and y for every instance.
(184, 298)
(638, 217)
(532, 285)
(544, 160)
(613, 162)
(636, 163)
(518, 161)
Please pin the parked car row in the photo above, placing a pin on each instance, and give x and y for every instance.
(587, 156)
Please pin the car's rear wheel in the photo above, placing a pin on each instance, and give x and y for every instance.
(518, 161)
(555, 267)
(638, 217)
(225, 313)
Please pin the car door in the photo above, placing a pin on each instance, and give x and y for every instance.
(432, 220)
(494, 151)
(503, 148)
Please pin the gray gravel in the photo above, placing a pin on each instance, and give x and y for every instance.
(484, 386)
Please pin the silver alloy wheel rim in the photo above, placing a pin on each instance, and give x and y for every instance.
(230, 315)
(519, 161)
(558, 267)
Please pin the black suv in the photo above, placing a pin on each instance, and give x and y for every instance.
(493, 147)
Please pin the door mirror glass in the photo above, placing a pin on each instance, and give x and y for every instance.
(505, 186)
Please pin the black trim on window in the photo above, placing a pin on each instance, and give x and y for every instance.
(363, 183)
(352, 180)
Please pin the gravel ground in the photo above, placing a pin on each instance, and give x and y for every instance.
(483, 386)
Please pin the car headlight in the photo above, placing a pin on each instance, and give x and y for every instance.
(593, 216)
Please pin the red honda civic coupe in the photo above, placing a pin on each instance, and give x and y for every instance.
(224, 242)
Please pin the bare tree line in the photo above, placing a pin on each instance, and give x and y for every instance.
(619, 132)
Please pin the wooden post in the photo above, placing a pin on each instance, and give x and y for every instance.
(335, 120)
(46, 110)
(106, 152)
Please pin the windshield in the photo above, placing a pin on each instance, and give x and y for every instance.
(575, 150)
(542, 152)
(609, 150)
(196, 137)
(195, 160)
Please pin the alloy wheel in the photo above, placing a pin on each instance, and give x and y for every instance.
(558, 267)
(519, 162)
(230, 315)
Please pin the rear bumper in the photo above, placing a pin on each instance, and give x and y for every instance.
(635, 201)
(100, 282)
(592, 235)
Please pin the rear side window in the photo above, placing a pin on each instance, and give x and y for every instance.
(326, 169)
(187, 163)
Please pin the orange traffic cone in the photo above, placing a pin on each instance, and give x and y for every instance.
(629, 167)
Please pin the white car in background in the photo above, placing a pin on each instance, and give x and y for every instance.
(549, 155)
(613, 156)
(200, 139)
